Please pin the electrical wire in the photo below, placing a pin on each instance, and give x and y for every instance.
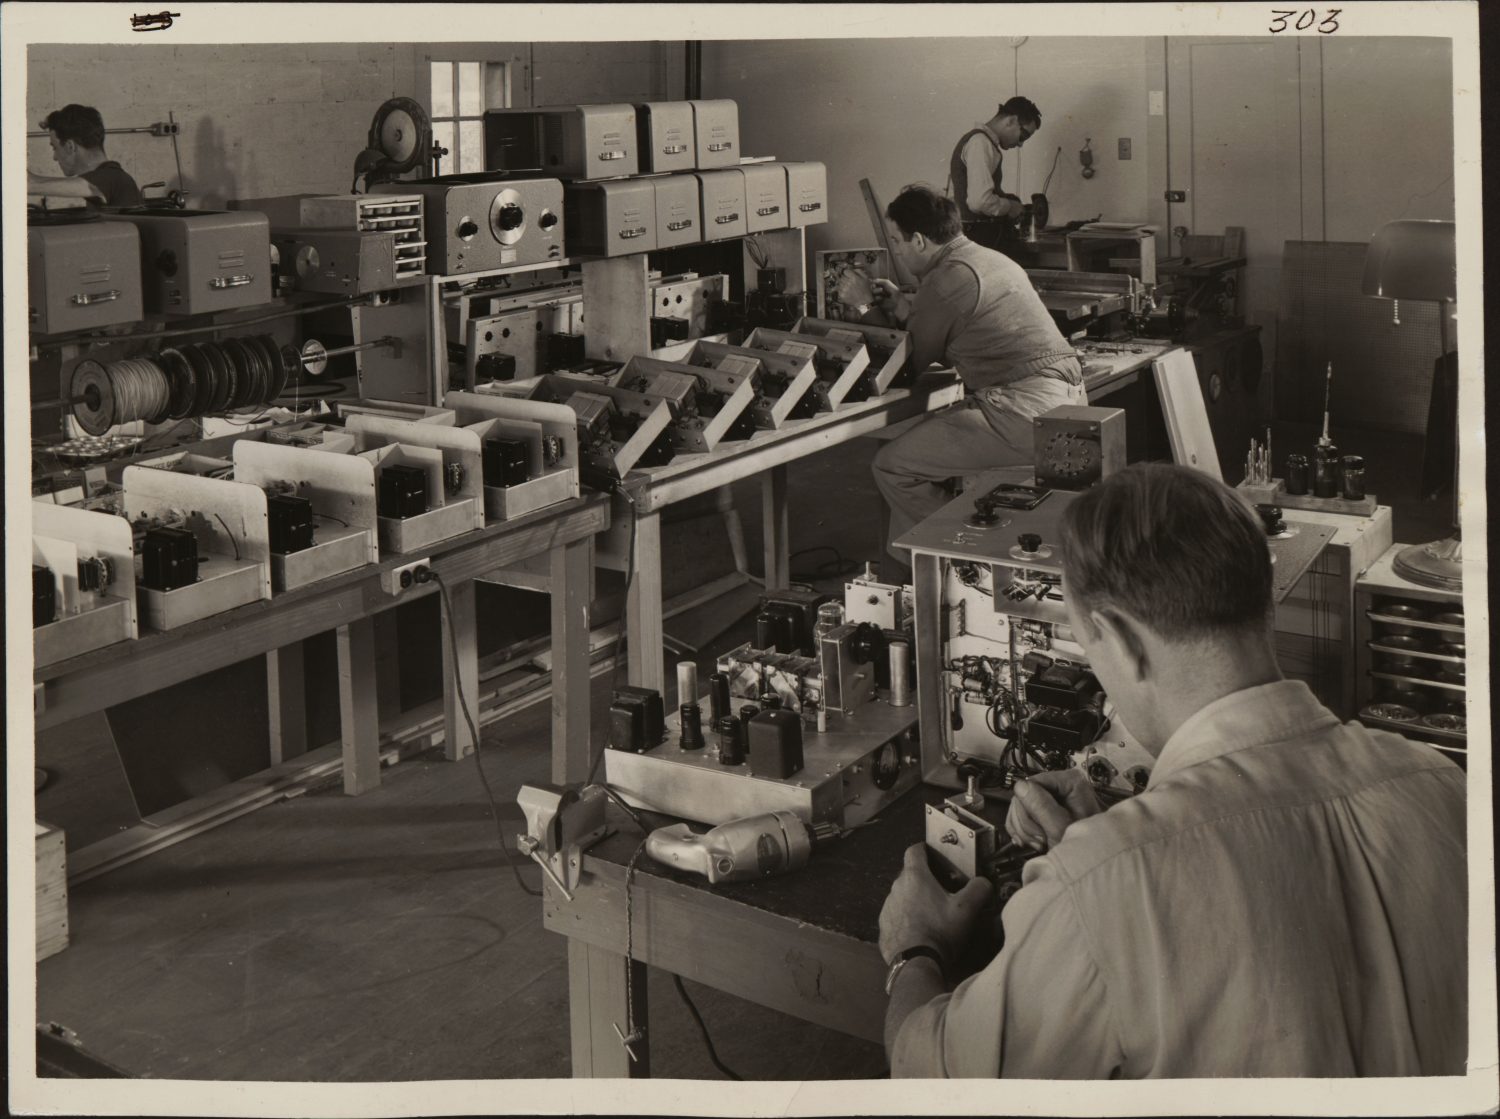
(829, 569)
(708, 1042)
(463, 704)
(1050, 173)
(229, 534)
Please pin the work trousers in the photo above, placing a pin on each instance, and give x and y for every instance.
(991, 429)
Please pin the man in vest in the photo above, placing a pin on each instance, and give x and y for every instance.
(987, 211)
(977, 311)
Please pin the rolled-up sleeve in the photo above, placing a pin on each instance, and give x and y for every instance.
(1040, 1010)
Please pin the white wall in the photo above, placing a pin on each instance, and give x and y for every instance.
(891, 111)
(1388, 128)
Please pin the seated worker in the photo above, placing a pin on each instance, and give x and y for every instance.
(77, 137)
(1287, 897)
(974, 310)
(989, 213)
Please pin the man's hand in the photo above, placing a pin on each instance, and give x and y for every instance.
(1042, 807)
(854, 289)
(919, 911)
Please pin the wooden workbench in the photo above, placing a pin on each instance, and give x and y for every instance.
(347, 604)
(766, 454)
(805, 944)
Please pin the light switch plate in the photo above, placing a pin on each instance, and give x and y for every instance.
(1124, 147)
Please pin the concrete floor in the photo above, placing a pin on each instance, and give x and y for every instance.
(383, 937)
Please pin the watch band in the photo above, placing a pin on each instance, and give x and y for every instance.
(906, 956)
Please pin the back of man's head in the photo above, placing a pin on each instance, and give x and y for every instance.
(1023, 109)
(1174, 548)
(920, 209)
(78, 123)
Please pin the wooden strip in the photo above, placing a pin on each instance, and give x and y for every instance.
(286, 694)
(358, 714)
(776, 527)
(596, 1005)
(572, 565)
(643, 606)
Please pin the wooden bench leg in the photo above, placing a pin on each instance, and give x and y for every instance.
(286, 693)
(643, 606)
(596, 1006)
(359, 716)
(776, 525)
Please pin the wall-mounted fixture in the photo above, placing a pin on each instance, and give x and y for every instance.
(1086, 157)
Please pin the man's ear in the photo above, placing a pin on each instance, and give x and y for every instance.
(919, 242)
(1127, 635)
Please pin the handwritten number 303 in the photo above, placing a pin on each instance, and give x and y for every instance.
(1305, 20)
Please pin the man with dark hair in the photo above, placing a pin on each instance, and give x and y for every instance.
(977, 311)
(986, 209)
(1287, 897)
(76, 133)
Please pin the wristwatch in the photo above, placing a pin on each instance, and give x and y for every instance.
(905, 956)
(862, 309)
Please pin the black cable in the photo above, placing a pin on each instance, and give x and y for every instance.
(708, 1042)
(463, 704)
(829, 569)
(1055, 158)
(229, 534)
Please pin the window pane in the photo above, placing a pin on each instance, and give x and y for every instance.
(442, 89)
(496, 87)
(470, 103)
(442, 135)
(471, 146)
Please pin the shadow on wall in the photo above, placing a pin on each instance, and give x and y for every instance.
(214, 180)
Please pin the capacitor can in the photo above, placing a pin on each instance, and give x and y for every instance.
(1298, 475)
(900, 654)
(687, 682)
(691, 720)
(718, 697)
(1326, 471)
(731, 741)
(1352, 477)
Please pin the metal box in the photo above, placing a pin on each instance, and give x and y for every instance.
(82, 276)
(716, 133)
(664, 136)
(336, 261)
(806, 193)
(679, 210)
(1077, 445)
(476, 222)
(611, 219)
(765, 196)
(398, 212)
(569, 141)
(196, 261)
(723, 204)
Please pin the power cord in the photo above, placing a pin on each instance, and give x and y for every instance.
(425, 575)
(828, 569)
(708, 1042)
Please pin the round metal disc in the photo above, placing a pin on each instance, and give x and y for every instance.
(269, 360)
(180, 378)
(274, 364)
(96, 413)
(292, 361)
(244, 373)
(222, 376)
(314, 357)
(255, 392)
(203, 378)
(398, 135)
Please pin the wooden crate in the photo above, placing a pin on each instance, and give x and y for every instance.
(51, 891)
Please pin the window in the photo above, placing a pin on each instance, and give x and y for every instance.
(461, 92)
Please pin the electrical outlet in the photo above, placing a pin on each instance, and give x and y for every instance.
(1124, 147)
(1176, 196)
(398, 579)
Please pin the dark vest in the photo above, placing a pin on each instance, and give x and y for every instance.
(958, 173)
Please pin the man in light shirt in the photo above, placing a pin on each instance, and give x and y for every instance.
(988, 212)
(1287, 897)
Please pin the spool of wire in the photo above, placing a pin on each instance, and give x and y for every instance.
(119, 392)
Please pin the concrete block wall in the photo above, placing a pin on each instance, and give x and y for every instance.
(257, 119)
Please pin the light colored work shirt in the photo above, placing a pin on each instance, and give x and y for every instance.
(982, 157)
(977, 311)
(1286, 898)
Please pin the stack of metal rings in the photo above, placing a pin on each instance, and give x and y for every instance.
(195, 379)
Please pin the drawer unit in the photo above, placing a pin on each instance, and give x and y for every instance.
(82, 276)
(679, 210)
(1411, 658)
(664, 136)
(196, 261)
(716, 133)
(477, 222)
(614, 218)
(723, 204)
(807, 193)
(397, 212)
(569, 141)
(765, 196)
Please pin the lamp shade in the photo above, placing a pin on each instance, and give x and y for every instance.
(1411, 259)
